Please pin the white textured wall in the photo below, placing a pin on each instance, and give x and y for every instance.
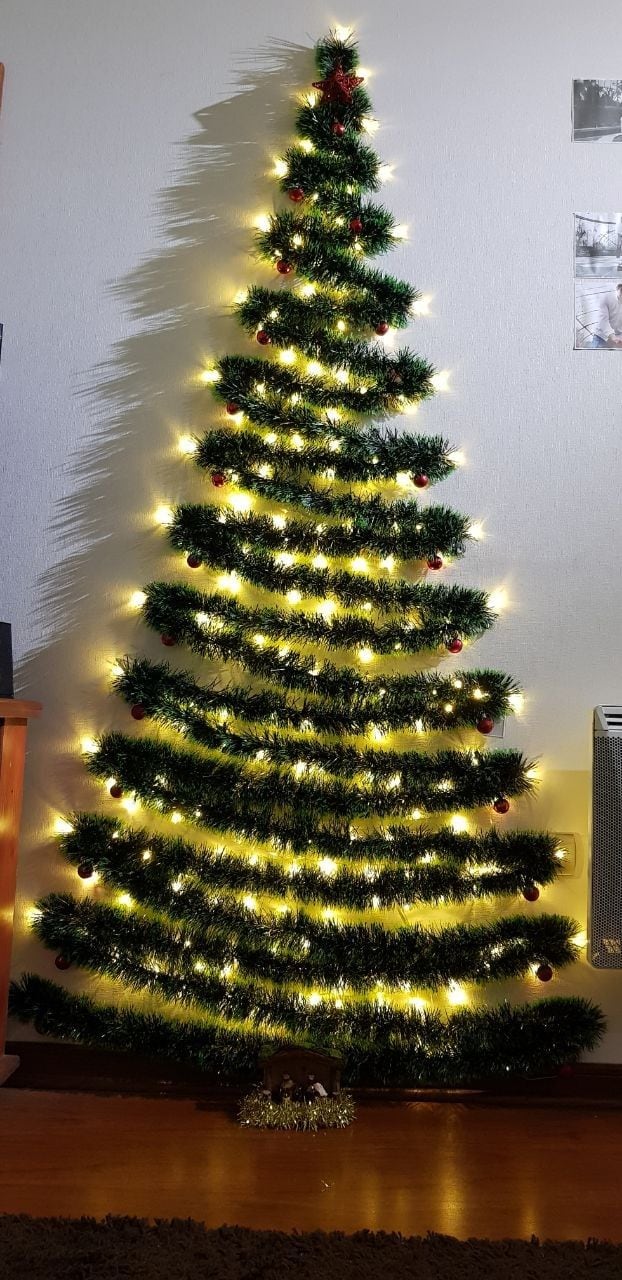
(105, 104)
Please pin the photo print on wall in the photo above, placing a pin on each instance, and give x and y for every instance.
(598, 281)
(597, 110)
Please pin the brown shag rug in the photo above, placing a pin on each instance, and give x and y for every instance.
(133, 1249)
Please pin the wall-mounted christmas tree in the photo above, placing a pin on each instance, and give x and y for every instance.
(316, 786)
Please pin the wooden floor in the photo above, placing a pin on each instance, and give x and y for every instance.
(409, 1167)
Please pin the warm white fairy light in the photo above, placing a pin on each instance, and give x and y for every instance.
(281, 168)
(130, 804)
(262, 222)
(476, 531)
(456, 994)
(306, 145)
(459, 823)
(478, 694)
(62, 827)
(388, 562)
(241, 296)
(285, 557)
(370, 125)
(403, 480)
(319, 562)
(341, 326)
(342, 34)
(327, 866)
(279, 521)
(327, 609)
(176, 817)
(497, 599)
(241, 502)
(421, 306)
(440, 380)
(385, 172)
(297, 441)
(288, 356)
(307, 290)
(314, 369)
(163, 515)
(125, 900)
(517, 702)
(259, 640)
(342, 375)
(294, 597)
(230, 581)
(210, 375)
(186, 444)
(359, 564)
(137, 599)
(366, 654)
(249, 902)
(89, 745)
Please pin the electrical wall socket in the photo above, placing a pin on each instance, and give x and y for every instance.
(569, 843)
(499, 729)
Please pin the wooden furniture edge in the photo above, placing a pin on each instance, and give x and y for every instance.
(19, 709)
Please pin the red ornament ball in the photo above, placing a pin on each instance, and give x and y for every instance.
(485, 724)
(356, 226)
(62, 962)
(296, 194)
(382, 327)
(232, 407)
(435, 562)
(85, 870)
(218, 478)
(531, 893)
(138, 711)
(263, 338)
(284, 267)
(421, 481)
(338, 128)
(544, 972)
(116, 791)
(169, 641)
(502, 805)
(455, 645)
(194, 562)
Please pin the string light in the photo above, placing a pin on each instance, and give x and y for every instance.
(137, 599)
(421, 306)
(281, 168)
(365, 654)
(240, 502)
(62, 827)
(319, 562)
(400, 231)
(163, 515)
(186, 444)
(314, 369)
(176, 818)
(370, 125)
(125, 900)
(459, 823)
(279, 522)
(456, 994)
(241, 296)
(263, 222)
(294, 597)
(210, 375)
(440, 380)
(288, 356)
(89, 746)
(307, 291)
(476, 531)
(497, 599)
(359, 564)
(306, 145)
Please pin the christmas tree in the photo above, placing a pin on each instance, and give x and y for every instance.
(315, 765)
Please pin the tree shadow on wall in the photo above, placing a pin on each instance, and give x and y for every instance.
(141, 399)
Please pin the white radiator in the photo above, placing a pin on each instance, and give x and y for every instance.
(605, 927)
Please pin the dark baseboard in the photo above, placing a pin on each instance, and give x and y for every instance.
(75, 1068)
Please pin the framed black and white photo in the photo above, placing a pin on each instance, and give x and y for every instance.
(598, 244)
(598, 314)
(597, 110)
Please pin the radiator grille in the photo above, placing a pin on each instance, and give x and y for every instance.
(606, 863)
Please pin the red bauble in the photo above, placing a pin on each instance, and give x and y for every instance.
(296, 194)
(85, 870)
(194, 562)
(455, 645)
(356, 226)
(544, 972)
(232, 407)
(116, 790)
(62, 962)
(485, 724)
(138, 711)
(338, 128)
(435, 562)
(263, 338)
(284, 267)
(218, 478)
(382, 327)
(169, 641)
(421, 481)
(502, 805)
(531, 893)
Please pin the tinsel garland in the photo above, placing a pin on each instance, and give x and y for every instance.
(465, 1046)
(290, 946)
(384, 869)
(399, 377)
(261, 1112)
(216, 791)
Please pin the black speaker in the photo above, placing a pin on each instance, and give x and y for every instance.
(6, 661)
